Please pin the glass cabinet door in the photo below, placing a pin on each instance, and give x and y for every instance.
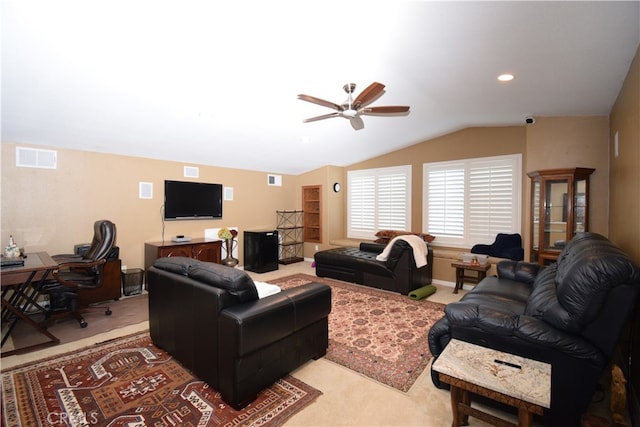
(559, 210)
(535, 217)
(580, 206)
(556, 212)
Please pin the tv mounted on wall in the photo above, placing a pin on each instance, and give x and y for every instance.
(192, 200)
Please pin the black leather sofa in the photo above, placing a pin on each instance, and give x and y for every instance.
(209, 317)
(359, 265)
(569, 314)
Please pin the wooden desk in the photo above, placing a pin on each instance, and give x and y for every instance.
(503, 377)
(460, 276)
(18, 295)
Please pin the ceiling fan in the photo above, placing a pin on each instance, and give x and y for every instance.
(352, 109)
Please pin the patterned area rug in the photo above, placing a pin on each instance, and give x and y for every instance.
(379, 334)
(130, 382)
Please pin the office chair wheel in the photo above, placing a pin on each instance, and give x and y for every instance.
(108, 312)
(83, 323)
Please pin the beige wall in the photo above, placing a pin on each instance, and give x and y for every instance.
(567, 142)
(624, 185)
(559, 142)
(464, 144)
(52, 210)
(332, 205)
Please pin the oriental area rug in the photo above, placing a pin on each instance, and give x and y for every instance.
(130, 382)
(379, 334)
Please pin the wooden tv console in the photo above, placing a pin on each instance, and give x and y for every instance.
(200, 249)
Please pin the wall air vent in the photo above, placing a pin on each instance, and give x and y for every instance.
(275, 180)
(191, 172)
(36, 158)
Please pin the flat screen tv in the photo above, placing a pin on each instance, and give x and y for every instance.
(192, 200)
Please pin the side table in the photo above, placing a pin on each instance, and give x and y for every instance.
(503, 377)
(460, 276)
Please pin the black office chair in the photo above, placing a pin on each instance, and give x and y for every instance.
(80, 272)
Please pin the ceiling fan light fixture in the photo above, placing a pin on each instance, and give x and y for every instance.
(352, 108)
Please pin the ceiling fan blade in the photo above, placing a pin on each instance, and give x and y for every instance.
(356, 122)
(390, 109)
(319, 101)
(322, 117)
(367, 96)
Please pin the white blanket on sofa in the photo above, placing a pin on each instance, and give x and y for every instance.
(266, 289)
(418, 245)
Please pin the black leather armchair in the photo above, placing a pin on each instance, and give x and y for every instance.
(505, 246)
(77, 272)
(209, 317)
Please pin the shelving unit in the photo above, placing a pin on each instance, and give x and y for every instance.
(559, 210)
(290, 230)
(312, 213)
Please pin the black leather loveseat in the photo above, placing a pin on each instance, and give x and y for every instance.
(569, 314)
(359, 265)
(209, 317)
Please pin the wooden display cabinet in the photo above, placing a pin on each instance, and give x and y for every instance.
(312, 213)
(559, 210)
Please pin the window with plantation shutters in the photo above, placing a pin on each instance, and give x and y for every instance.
(470, 201)
(378, 199)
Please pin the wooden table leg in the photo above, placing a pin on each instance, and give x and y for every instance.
(459, 279)
(525, 418)
(481, 275)
(459, 396)
(466, 400)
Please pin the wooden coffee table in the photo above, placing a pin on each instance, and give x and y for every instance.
(503, 377)
(460, 276)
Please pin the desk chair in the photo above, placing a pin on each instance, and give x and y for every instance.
(80, 272)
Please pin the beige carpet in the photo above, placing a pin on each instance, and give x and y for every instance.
(126, 311)
(348, 399)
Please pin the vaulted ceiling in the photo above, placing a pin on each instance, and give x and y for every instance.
(216, 83)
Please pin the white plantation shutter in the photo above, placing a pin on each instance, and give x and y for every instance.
(362, 203)
(378, 199)
(491, 200)
(470, 201)
(445, 194)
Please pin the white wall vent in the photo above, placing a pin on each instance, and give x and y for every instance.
(275, 180)
(145, 190)
(36, 158)
(228, 193)
(191, 172)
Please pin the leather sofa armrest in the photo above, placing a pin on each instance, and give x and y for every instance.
(528, 329)
(519, 271)
(541, 333)
(485, 318)
(247, 327)
(376, 248)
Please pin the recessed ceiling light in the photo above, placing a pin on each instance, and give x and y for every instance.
(505, 77)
